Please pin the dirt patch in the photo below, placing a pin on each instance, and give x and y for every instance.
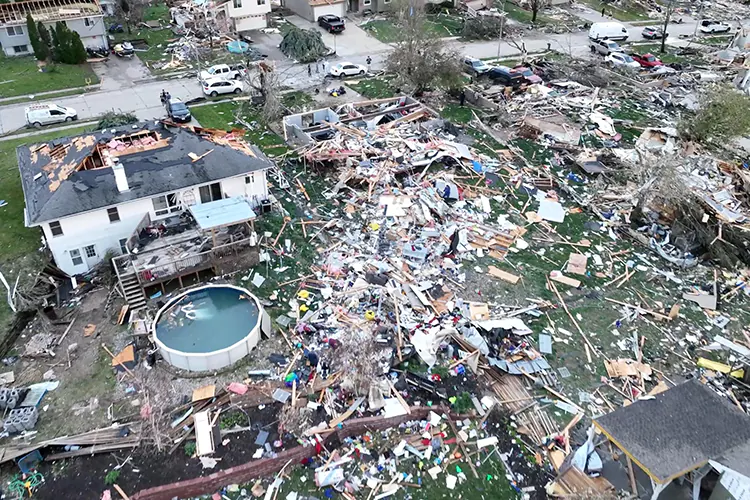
(84, 478)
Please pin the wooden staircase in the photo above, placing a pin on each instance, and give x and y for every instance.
(132, 290)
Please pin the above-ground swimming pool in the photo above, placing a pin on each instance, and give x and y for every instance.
(208, 328)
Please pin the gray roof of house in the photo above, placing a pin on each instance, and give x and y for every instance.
(62, 191)
(737, 459)
(678, 431)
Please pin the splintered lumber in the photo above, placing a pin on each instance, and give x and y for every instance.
(121, 492)
(572, 318)
(348, 413)
(638, 308)
(503, 275)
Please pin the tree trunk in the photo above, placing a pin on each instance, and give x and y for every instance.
(667, 15)
(534, 11)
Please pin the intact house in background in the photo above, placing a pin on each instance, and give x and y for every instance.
(364, 6)
(85, 17)
(242, 15)
(131, 194)
(313, 9)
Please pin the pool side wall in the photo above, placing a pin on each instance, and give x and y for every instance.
(214, 360)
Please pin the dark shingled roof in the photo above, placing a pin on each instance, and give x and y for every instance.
(680, 430)
(61, 191)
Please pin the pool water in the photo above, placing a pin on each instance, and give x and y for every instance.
(207, 320)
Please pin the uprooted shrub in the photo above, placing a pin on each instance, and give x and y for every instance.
(304, 46)
(722, 115)
(483, 28)
(114, 119)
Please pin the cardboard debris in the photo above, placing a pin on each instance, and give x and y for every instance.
(577, 264)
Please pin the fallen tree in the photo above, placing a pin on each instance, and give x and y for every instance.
(304, 46)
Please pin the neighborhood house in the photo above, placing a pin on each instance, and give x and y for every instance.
(135, 191)
(85, 17)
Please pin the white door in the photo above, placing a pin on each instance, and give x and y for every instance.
(91, 256)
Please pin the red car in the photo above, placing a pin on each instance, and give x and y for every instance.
(646, 60)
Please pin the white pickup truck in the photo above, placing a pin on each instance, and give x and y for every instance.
(223, 71)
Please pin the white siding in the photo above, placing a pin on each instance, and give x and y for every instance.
(251, 15)
(94, 228)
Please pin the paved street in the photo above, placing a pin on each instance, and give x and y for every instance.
(141, 96)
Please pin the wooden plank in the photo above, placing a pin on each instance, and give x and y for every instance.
(556, 276)
(205, 392)
(503, 275)
(204, 438)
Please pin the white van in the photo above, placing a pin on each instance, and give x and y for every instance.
(45, 114)
(610, 31)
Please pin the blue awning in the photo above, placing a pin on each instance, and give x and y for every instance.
(220, 213)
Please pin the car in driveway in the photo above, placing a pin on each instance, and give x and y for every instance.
(647, 60)
(215, 86)
(347, 69)
(621, 60)
(475, 66)
(225, 71)
(178, 110)
(528, 74)
(331, 23)
(652, 33)
(604, 47)
(503, 75)
(713, 26)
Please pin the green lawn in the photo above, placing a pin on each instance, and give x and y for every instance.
(222, 116)
(440, 25)
(621, 13)
(373, 88)
(21, 76)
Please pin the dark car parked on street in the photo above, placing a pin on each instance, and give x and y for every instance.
(178, 111)
(331, 23)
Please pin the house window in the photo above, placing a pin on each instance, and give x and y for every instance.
(114, 215)
(249, 179)
(75, 256)
(90, 251)
(366, 2)
(386, 1)
(87, 21)
(261, 2)
(237, 4)
(166, 204)
(55, 228)
(15, 31)
(20, 49)
(124, 246)
(210, 193)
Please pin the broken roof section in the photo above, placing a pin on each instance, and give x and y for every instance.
(16, 12)
(71, 175)
(352, 118)
(678, 431)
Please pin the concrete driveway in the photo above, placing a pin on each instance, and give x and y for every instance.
(353, 41)
(143, 100)
(117, 73)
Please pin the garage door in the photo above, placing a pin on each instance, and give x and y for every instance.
(336, 9)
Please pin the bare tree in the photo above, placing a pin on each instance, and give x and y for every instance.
(131, 12)
(419, 59)
(264, 80)
(668, 10)
(536, 6)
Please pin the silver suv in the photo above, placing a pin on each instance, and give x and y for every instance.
(604, 47)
